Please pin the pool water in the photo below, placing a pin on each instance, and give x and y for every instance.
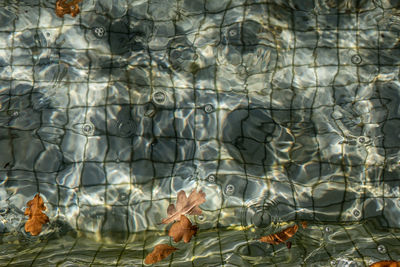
(281, 112)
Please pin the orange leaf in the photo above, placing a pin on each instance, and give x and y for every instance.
(182, 229)
(386, 264)
(185, 205)
(63, 8)
(36, 217)
(280, 237)
(160, 252)
(304, 224)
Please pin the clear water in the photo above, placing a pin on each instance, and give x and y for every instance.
(280, 111)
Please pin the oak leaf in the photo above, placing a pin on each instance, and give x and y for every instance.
(37, 218)
(159, 252)
(182, 229)
(62, 8)
(280, 237)
(386, 264)
(185, 205)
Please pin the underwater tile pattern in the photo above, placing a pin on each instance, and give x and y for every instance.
(285, 106)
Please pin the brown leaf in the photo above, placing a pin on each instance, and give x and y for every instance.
(159, 252)
(36, 217)
(386, 264)
(304, 224)
(182, 229)
(62, 8)
(185, 205)
(280, 237)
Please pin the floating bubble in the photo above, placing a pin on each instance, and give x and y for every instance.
(356, 59)
(381, 249)
(99, 31)
(211, 178)
(201, 217)
(159, 97)
(181, 54)
(232, 32)
(229, 189)
(328, 229)
(208, 108)
(361, 139)
(356, 213)
(3, 211)
(88, 128)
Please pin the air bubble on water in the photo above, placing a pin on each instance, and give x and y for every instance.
(88, 128)
(229, 189)
(232, 32)
(99, 31)
(3, 211)
(208, 108)
(356, 59)
(211, 178)
(356, 213)
(363, 139)
(328, 229)
(381, 249)
(159, 97)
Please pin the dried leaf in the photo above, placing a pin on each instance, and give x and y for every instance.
(182, 229)
(185, 205)
(36, 217)
(159, 252)
(304, 224)
(280, 237)
(386, 264)
(62, 8)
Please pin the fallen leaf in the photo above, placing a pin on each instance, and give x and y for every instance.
(185, 205)
(182, 229)
(36, 217)
(159, 252)
(62, 8)
(304, 224)
(386, 264)
(280, 237)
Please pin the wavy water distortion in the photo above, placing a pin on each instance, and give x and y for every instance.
(277, 114)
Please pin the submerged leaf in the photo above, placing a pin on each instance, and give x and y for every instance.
(386, 264)
(182, 229)
(280, 237)
(36, 217)
(62, 8)
(185, 205)
(160, 252)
